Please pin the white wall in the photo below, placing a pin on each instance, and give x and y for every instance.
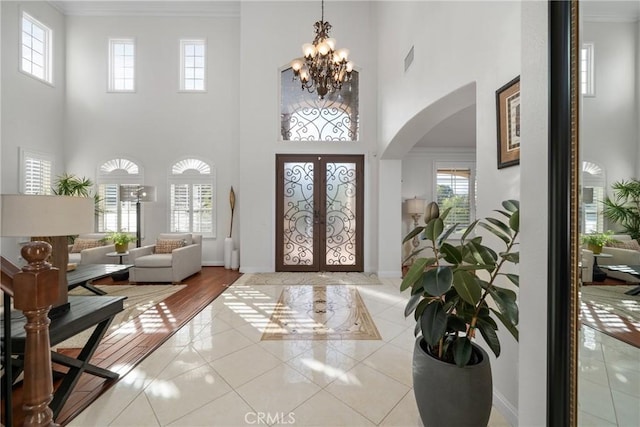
(609, 125)
(156, 125)
(534, 168)
(482, 45)
(271, 35)
(32, 111)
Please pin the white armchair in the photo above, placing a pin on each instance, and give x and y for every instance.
(179, 263)
(91, 255)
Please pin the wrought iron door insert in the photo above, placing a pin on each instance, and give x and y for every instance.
(319, 213)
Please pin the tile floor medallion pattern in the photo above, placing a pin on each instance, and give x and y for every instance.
(320, 313)
(307, 278)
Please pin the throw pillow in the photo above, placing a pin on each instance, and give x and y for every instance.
(630, 244)
(81, 244)
(166, 246)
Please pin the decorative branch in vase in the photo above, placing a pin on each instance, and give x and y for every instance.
(232, 203)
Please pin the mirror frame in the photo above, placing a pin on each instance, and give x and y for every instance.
(563, 250)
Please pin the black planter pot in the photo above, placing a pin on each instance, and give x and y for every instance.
(451, 396)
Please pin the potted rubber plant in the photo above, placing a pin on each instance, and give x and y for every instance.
(458, 292)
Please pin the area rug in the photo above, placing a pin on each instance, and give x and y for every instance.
(140, 298)
(322, 278)
(609, 310)
(320, 313)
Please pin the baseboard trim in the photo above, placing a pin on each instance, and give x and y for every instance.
(391, 274)
(213, 263)
(508, 411)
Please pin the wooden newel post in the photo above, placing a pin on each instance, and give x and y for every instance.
(35, 291)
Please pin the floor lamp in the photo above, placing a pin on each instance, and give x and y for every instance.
(139, 194)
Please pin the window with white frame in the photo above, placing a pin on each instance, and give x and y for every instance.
(192, 198)
(306, 117)
(122, 65)
(455, 189)
(114, 178)
(36, 172)
(587, 81)
(36, 47)
(193, 65)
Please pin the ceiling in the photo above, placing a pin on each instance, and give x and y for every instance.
(628, 10)
(149, 8)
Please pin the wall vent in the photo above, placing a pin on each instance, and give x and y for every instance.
(408, 60)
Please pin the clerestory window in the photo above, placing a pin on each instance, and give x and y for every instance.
(36, 45)
(122, 65)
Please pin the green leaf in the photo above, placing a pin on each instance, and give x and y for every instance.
(414, 273)
(489, 335)
(514, 222)
(468, 230)
(481, 254)
(421, 307)
(412, 304)
(433, 229)
(511, 205)
(497, 233)
(515, 279)
(455, 323)
(513, 257)
(462, 351)
(513, 329)
(444, 214)
(505, 299)
(467, 287)
(433, 323)
(437, 281)
(413, 233)
(443, 237)
(451, 254)
(500, 225)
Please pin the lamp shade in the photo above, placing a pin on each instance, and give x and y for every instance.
(415, 206)
(29, 215)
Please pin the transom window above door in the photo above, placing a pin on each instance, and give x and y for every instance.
(306, 117)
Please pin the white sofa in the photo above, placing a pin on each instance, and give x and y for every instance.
(173, 267)
(97, 255)
(619, 256)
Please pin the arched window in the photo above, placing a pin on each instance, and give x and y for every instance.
(306, 117)
(116, 214)
(192, 198)
(593, 191)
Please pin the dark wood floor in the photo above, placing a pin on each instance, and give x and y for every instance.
(201, 289)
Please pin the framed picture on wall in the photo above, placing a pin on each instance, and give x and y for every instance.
(508, 116)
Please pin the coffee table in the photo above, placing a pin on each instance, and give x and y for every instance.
(85, 274)
(634, 270)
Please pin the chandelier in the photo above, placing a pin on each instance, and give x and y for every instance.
(322, 69)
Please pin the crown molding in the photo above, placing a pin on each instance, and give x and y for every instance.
(218, 9)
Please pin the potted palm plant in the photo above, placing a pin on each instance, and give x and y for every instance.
(121, 239)
(457, 292)
(624, 207)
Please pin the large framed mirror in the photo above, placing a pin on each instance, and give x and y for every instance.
(563, 303)
(594, 140)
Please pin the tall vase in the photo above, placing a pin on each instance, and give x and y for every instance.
(228, 250)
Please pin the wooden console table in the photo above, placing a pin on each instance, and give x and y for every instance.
(85, 312)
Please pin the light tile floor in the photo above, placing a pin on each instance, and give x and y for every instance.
(216, 371)
(608, 381)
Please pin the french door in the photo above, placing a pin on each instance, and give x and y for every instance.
(319, 212)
